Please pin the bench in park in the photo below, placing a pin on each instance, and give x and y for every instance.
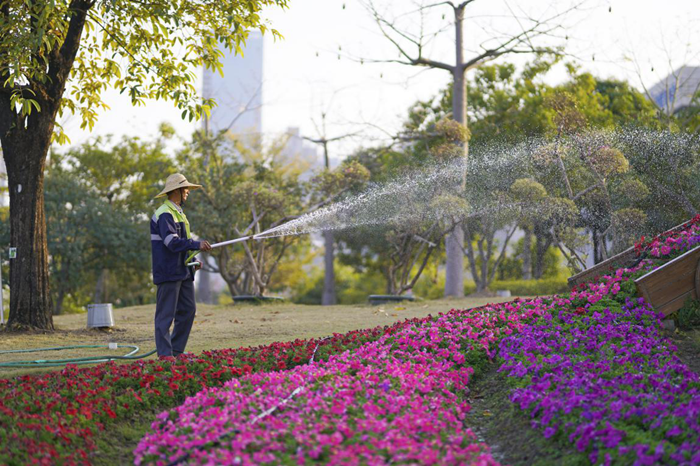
(375, 299)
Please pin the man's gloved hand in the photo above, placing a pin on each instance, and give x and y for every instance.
(198, 265)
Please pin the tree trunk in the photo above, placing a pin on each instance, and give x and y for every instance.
(25, 144)
(597, 253)
(329, 297)
(232, 289)
(100, 295)
(527, 254)
(25, 157)
(485, 254)
(454, 245)
(542, 245)
(58, 308)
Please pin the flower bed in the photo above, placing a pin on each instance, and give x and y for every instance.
(632, 398)
(596, 371)
(673, 243)
(396, 400)
(53, 418)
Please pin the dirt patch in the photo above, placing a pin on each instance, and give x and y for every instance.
(688, 343)
(507, 430)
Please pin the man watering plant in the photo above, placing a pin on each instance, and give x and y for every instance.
(170, 243)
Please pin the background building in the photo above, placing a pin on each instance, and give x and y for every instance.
(301, 153)
(238, 93)
(239, 110)
(677, 90)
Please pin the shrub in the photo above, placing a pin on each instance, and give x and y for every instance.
(545, 286)
(689, 314)
(350, 287)
(434, 288)
(430, 286)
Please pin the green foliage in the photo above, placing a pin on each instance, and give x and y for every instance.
(527, 190)
(249, 189)
(512, 266)
(400, 249)
(350, 175)
(541, 287)
(688, 118)
(94, 200)
(147, 50)
(245, 191)
(689, 314)
(628, 225)
(432, 286)
(600, 183)
(351, 286)
(608, 161)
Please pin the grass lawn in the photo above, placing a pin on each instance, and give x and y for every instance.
(219, 327)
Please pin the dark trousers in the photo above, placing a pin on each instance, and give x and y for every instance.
(175, 302)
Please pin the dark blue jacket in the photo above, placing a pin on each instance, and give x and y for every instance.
(170, 244)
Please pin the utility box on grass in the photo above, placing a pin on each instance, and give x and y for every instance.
(100, 315)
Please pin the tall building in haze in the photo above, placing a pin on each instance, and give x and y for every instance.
(678, 90)
(238, 93)
(238, 96)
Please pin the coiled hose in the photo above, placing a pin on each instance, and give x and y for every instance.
(61, 362)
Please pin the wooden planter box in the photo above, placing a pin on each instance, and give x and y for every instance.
(667, 287)
(625, 259)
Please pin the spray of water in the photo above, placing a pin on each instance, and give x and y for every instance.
(456, 190)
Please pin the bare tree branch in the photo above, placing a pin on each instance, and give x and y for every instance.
(386, 26)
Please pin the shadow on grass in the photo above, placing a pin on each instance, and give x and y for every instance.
(507, 430)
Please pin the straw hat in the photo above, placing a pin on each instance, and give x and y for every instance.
(176, 181)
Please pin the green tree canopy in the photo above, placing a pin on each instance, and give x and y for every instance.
(97, 224)
(60, 56)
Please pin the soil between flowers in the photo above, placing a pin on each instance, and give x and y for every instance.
(501, 425)
(688, 344)
(507, 430)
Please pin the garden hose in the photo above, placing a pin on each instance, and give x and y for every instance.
(189, 261)
(61, 362)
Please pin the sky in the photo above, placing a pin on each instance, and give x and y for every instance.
(332, 60)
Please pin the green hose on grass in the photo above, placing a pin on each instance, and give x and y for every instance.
(61, 362)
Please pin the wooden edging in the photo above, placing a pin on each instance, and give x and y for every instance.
(584, 275)
(669, 280)
(668, 264)
(601, 266)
